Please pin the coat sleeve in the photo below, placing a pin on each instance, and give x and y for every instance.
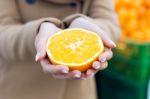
(102, 13)
(17, 38)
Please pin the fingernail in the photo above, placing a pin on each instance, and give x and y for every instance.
(114, 45)
(96, 66)
(102, 60)
(76, 76)
(64, 71)
(37, 57)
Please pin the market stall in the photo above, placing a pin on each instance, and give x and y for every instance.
(129, 71)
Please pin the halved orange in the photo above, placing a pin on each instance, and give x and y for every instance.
(76, 48)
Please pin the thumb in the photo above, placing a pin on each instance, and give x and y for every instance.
(40, 55)
(46, 30)
(41, 49)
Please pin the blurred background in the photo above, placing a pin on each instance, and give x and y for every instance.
(128, 74)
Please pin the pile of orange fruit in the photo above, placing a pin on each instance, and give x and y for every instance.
(134, 17)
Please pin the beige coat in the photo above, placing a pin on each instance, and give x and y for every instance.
(20, 76)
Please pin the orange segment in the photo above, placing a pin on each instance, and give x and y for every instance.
(75, 48)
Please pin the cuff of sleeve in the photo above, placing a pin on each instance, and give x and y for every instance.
(31, 30)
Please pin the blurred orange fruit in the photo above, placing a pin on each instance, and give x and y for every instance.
(75, 48)
(134, 17)
(146, 3)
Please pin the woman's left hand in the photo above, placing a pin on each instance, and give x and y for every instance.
(101, 63)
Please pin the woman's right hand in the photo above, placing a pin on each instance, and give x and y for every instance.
(58, 72)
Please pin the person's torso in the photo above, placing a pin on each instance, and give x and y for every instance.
(35, 9)
(27, 80)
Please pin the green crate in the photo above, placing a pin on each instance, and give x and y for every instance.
(114, 88)
(128, 73)
(132, 64)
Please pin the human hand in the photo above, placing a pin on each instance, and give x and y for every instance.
(101, 63)
(56, 71)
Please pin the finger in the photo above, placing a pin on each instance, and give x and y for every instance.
(40, 55)
(90, 73)
(107, 55)
(83, 76)
(53, 69)
(40, 42)
(105, 38)
(40, 45)
(103, 66)
(72, 75)
(107, 42)
(96, 65)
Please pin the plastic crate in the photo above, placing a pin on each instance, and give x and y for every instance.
(114, 88)
(132, 63)
(128, 73)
